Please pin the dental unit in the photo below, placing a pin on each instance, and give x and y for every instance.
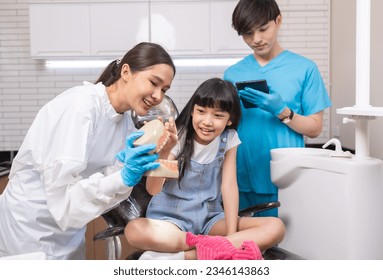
(331, 201)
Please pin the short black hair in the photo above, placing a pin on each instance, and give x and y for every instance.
(253, 13)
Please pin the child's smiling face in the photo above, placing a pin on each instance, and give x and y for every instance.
(208, 123)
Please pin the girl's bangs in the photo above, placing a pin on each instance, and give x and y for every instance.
(217, 101)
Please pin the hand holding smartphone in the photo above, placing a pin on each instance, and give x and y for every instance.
(260, 85)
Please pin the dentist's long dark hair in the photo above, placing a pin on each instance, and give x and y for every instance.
(141, 57)
(213, 93)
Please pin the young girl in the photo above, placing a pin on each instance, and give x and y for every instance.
(187, 218)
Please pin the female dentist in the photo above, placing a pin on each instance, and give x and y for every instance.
(65, 173)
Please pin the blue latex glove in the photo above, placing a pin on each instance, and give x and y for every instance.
(136, 160)
(271, 102)
(120, 156)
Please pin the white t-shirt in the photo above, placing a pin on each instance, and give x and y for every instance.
(205, 154)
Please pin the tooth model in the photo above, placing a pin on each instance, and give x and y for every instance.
(156, 133)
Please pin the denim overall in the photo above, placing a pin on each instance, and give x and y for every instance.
(194, 204)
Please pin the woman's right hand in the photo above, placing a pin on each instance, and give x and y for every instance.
(136, 160)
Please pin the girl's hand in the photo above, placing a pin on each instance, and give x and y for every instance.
(173, 136)
(170, 126)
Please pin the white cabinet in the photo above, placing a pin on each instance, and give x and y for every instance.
(116, 27)
(196, 28)
(87, 30)
(59, 29)
(181, 28)
(100, 29)
(224, 39)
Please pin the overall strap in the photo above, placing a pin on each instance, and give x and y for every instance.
(222, 144)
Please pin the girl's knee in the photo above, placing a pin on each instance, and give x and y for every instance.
(278, 227)
(133, 230)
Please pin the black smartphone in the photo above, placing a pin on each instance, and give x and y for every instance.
(260, 85)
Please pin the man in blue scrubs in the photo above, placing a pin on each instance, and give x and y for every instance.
(292, 108)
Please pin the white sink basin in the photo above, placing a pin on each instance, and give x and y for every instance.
(280, 153)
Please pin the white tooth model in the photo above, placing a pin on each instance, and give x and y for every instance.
(156, 133)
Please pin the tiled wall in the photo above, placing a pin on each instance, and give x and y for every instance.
(26, 85)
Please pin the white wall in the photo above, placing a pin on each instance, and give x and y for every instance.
(26, 85)
(343, 42)
(376, 136)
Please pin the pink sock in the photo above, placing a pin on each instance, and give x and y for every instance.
(248, 251)
(211, 247)
(191, 239)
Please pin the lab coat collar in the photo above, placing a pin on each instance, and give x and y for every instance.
(110, 111)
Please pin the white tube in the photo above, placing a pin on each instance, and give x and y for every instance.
(362, 149)
(363, 19)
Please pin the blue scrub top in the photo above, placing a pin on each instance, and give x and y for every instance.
(299, 82)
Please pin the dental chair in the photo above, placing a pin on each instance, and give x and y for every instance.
(135, 206)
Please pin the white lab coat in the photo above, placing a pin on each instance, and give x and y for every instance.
(64, 175)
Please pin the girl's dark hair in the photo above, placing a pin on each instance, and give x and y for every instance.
(140, 57)
(253, 13)
(213, 93)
